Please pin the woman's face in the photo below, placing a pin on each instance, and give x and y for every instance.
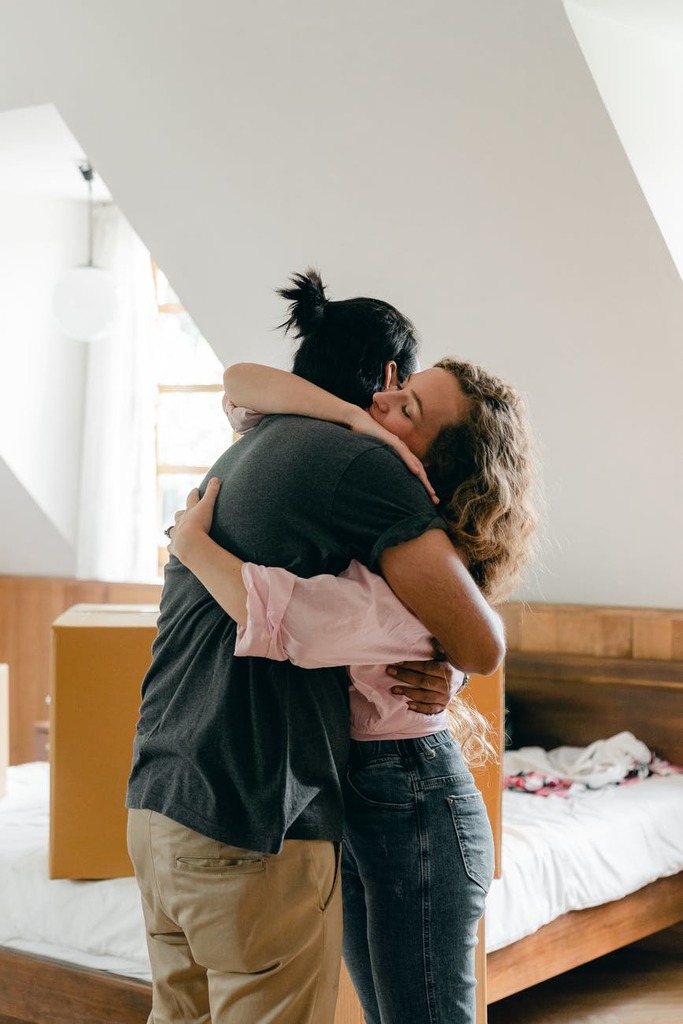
(418, 409)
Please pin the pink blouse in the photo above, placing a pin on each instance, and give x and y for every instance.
(352, 619)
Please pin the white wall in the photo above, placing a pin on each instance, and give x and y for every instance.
(30, 543)
(42, 375)
(451, 156)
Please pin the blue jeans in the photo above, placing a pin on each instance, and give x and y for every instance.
(417, 864)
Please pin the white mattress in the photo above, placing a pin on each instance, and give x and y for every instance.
(558, 855)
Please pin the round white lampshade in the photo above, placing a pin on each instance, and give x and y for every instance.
(85, 303)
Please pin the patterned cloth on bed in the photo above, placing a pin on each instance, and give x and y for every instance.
(569, 771)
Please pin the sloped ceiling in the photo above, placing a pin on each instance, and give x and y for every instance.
(30, 543)
(634, 49)
(452, 157)
(40, 156)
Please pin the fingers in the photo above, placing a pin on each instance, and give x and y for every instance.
(422, 475)
(422, 695)
(439, 653)
(426, 684)
(416, 467)
(211, 493)
(192, 498)
(412, 672)
(425, 709)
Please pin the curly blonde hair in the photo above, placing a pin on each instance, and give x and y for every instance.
(472, 731)
(483, 470)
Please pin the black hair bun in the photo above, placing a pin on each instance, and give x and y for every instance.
(307, 300)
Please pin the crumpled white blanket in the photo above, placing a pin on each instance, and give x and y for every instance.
(599, 764)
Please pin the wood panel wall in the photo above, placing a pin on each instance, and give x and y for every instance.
(28, 607)
(601, 632)
(576, 673)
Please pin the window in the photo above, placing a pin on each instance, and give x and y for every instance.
(191, 428)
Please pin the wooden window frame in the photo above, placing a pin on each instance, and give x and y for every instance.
(166, 469)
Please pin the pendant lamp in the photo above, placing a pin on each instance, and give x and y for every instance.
(85, 302)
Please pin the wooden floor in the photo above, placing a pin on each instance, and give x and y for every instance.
(642, 984)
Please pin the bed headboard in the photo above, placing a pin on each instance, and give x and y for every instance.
(556, 699)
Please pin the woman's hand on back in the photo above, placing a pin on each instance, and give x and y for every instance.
(361, 422)
(194, 520)
(430, 686)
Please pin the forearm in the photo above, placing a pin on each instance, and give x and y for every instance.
(429, 576)
(218, 570)
(269, 390)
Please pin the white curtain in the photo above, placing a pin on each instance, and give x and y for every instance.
(117, 518)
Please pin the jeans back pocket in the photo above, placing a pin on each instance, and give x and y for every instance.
(475, 839)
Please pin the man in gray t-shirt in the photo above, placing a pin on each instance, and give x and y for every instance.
(235, 796)
(248, 751)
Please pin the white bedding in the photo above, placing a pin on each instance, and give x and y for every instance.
(605, 844)
(561, 854)
(95, 924)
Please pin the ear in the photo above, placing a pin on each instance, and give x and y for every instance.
(390, 376)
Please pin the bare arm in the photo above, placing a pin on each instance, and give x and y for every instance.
(429, 576)
(217, 569)
(269, 390)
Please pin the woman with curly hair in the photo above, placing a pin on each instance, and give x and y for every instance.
(418, 855)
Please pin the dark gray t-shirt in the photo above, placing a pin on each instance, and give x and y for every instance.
(245, 750)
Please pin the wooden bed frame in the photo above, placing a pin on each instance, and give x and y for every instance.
(557, 699)
(553, 699)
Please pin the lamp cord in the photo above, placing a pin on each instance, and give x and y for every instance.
(88, 174)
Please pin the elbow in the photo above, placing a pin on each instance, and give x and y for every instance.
(487, 662)
(231, 379)
(486, 656)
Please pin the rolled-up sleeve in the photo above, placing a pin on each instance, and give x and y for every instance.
(269, 591)
(240, 419)
(352, 619)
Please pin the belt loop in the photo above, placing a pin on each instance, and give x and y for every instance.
(427, 749)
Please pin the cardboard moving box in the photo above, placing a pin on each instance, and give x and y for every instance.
(100, 655)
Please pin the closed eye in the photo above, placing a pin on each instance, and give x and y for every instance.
(413, 397)
(404, 408)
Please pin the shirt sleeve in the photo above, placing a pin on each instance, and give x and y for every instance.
(379, 503)
(240, 419)
(352, 619)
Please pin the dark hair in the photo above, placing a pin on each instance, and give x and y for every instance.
(345, 345)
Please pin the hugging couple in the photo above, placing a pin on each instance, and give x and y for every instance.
(301, 742)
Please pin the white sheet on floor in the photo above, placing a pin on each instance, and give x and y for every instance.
(558, 855)
(561, 854)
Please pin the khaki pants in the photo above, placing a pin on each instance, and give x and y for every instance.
(234, 936)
